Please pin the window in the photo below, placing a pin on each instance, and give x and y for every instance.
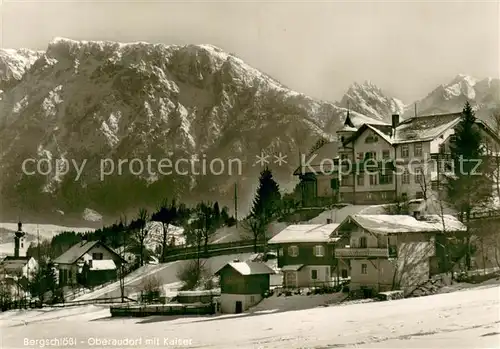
(406, 177)
(281, 252)
(419, 195)
(314, 274)
(361, 180)
(385, 179)
(441, 149)
(70, 275)
(370, 155)
(373, 179)
(383, 196)
(453, 139)
(293, 251)
(362, 242)
(371, 139)
(319, 251)
(405, 151)
(344, 273)
(252, 299)
(418, 149)
(364, 268)
(369, 196)
(404, 196)
(344, 157)
(360, 156)
(418, 176)
(22, 244)
(342, 138)
(345, 180)
(386, 154)
(97, 256)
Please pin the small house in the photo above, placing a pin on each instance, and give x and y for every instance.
(90, 260)
(306, 255)
(17, 272)
(392, 252)
(243, 285)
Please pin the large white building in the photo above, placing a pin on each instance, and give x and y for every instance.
(376, 162)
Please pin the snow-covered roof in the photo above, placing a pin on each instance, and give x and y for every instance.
(292, 267)
(393, 224)
(249, 268)
(198, 293)
(297, 233)
(421, 128)
(103, 264)
(425, 127)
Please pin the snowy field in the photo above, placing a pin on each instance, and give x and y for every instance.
(464, 319)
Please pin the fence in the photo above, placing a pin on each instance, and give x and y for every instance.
(192, 252)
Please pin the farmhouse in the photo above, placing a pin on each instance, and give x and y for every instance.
(388, 252)
(91, 261)
(243, 285)
(306, 255)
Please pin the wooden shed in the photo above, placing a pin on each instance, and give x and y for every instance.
(243, 285)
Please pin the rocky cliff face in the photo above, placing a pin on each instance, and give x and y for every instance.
(88, 101)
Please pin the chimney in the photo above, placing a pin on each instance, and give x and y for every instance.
(19, 226)
(395, 120)
(328, 221)
(84, 240)
(236, 260)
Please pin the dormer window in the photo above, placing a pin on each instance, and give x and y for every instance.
(371, 139)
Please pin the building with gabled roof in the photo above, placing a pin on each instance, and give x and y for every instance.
(243, 285)
(86, 253)
(306, 255)
(390, 252)
(377, 163)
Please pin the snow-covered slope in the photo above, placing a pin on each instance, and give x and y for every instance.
(370, 100)
(466, 319)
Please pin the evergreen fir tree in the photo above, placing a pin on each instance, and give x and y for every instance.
(469, 188)
(267, 200)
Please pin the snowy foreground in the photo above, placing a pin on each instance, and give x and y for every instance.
(464, 319)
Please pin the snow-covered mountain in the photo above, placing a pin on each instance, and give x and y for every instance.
(484, 96)
(88, 101)
(13, 65)
(370, 100)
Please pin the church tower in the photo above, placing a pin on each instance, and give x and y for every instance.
(19, 241)
(347, 130)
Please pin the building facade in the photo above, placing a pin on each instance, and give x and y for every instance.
(71, 263)
(306, 255)
(392, 252)
(377, 163)
(243, 285)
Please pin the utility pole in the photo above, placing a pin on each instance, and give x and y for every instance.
(415, 109)
(236, 202)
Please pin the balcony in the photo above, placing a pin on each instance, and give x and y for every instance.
(371, 252)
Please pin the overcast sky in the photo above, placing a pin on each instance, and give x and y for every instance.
(318, 48)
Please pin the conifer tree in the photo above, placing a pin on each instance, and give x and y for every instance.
(267, 202)
(470, 187)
